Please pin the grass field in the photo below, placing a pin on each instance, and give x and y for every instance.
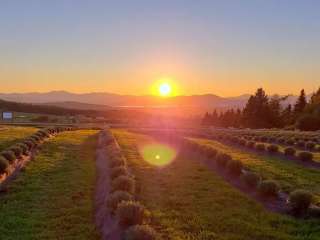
(52, 198)
(10, 135)
(190, 202)
(289, 174)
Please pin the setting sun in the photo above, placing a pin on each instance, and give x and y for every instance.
(164, 89)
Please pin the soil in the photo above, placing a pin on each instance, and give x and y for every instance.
(105, 222)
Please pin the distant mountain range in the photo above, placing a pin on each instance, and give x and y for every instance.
(107, 101)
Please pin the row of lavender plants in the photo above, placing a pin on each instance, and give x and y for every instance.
(289, 151)
(298, 201)
(131, 215)
(14, 154)
(304, 142)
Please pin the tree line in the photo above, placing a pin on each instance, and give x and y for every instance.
(262, 111)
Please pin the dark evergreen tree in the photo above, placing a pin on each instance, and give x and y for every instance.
(300, 104)
(206, 119)
(256, 110)
(287, 115)
(315, 98)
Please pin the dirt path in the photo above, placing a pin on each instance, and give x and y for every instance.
(104, 221)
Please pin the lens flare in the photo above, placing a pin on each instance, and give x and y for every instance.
(158, 154)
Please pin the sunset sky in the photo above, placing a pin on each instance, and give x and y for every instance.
(223, 47)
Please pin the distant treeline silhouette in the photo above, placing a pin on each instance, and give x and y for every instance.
(43, 109)
(262, 111)
(111, 116)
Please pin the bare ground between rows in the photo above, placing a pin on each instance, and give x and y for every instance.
(105, 222)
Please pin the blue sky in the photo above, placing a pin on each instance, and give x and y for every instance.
(222, 47)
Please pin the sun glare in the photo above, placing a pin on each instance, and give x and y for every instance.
(164, 89)
(158, 154)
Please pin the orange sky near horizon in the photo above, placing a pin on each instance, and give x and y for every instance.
(186, 82)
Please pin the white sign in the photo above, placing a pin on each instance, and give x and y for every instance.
(7, 115)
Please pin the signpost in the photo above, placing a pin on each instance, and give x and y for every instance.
(7, 116)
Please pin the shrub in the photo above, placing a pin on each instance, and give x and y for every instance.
(17, 151)
(9, 155)
(130, 213)
(234, 167)
(314, 212)
(211, 152)
(123, 183)
(301, 144)
(222, 159)
(273, 148)
(260, 147)
(308, 122)
(117, 162)
(242, 142)
(310, 145)
(272, 139)
(251, 144)
(305, 156)
(300, 201)
(117, 197)
(29, 144)
(23, 147)
(140, 232)
(297, 139)
(289, 151)
(39, 135)
(36, 138)
(251, 179)
(268, 188)
(4, 164)
(234, 139)
(118, 171)
(44, 133)
(290, 142)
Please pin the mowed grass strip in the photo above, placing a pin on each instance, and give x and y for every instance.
(53, 197)
(290, 175)
(10, 135)
(190, 202)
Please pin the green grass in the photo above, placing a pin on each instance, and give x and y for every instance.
(190, 202)
(10, 135)
(53, 197)
(289, 174)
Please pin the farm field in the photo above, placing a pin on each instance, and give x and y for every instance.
(10, 135)
(289, 174)
(191, 202)
(283, 139)
(316, 155)
(53, 197)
